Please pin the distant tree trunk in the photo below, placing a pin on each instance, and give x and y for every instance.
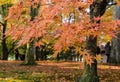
(115, 48)
(37, 53)
(30, 52)
(43, 54)
(97, 8)
(4, 45)
(16, 54)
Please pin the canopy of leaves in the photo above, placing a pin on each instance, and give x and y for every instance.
(64, 22)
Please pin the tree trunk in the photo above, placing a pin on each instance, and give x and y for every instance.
(4, 46)
(16, 54)
(115, 48)
(90, 73)
(4, 26)
(97, 8)
(29, 56)
(30, 52)
(37, 53)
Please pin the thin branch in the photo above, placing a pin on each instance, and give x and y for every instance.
(1, 23)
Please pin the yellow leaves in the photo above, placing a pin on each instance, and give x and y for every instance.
(98, 57)
(78, 49)
(4, 2)
(44, 41)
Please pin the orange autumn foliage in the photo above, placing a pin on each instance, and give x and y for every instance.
(64, 21)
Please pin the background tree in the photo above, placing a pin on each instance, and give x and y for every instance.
(4, 6)
(115, 49)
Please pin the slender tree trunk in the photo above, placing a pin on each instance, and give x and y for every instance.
(115, 48)
(4, 45)
(97, 8)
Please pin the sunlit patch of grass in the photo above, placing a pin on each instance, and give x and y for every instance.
(13, 80)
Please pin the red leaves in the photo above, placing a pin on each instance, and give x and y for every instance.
(37, 44)
(15, 11)
(97, 18)
(117, 22)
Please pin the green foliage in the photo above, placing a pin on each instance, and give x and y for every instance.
(2, 2)
(4, 6)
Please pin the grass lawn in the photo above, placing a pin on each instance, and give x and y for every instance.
(51, 71)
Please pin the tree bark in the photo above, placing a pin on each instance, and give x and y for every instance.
(29, 57)
(97, 9)
(4, 26)
(4, 45)
(90, 73)
(115, 48)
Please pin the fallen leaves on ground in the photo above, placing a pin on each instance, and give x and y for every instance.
(53, 71)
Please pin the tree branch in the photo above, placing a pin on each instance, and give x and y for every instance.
(1, 23)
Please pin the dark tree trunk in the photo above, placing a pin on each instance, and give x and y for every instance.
(4, 46)
(16, 54)
(37, 53)
(4, 26)
(115, 48)
(97, 8)
(43, 55)
(90, 73)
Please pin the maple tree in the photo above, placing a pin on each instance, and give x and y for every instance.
(64, 22)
